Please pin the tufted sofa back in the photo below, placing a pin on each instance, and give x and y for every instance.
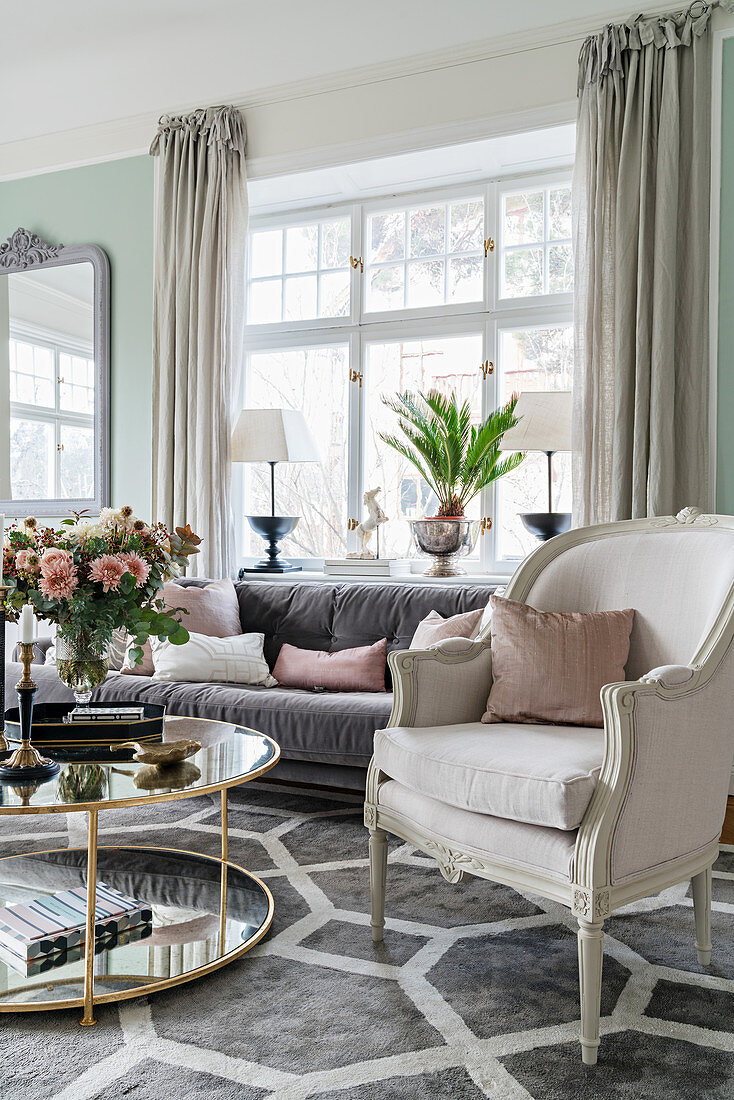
(676, 577)
(333, 616)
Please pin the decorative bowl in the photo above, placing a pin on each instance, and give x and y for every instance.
(446, 540)
(164, 755)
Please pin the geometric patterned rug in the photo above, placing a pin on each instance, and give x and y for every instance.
(473, 994)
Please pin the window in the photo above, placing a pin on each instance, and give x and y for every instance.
(300, 272)
(466, 290)
(427, 255)
(51, 418)
(536, 242)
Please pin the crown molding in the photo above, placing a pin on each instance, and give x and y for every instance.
(131, 136)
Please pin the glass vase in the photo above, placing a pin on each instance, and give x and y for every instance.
(82, 662)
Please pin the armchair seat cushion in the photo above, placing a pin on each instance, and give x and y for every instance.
(539, 774)
(546, 851)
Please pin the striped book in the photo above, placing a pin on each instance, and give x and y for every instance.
(30, 968)
(57, 922)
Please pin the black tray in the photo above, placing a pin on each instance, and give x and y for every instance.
(52, 733)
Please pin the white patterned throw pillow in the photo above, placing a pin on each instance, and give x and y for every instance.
(203, 660)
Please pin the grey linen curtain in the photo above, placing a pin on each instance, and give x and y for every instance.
(641, 231)
(198, 317)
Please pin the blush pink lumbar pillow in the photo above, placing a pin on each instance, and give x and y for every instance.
(212, 610)
(549, 666)
(434, 628)
(360, 669)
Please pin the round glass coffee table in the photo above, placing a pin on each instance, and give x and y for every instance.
(207, 911)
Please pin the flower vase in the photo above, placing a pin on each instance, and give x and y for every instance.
(82, 662)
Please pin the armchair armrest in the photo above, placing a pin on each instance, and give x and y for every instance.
(662, 791)
(446, 684)
(669, 676)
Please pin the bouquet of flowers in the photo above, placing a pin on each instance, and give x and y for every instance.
(92, 577)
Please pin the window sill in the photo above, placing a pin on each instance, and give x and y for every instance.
(314, 577)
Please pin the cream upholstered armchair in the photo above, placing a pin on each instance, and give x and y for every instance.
(592, 818)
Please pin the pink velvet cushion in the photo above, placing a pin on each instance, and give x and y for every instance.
(360, 669)
(434, 628)
(212, 610)
(550, 666)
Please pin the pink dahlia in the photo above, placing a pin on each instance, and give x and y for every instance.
(107, 570)
(27, 561)
(136, 566)
(59, 582)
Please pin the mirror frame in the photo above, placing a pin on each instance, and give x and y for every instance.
(24, 251)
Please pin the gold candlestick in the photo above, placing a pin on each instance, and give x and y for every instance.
(4, 589)
(26, 762)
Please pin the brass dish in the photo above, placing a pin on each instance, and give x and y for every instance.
(163, 755)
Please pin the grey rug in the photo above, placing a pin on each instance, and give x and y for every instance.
(473, 993)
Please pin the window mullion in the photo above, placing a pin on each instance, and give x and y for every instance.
(357, 295)
(355, 465)
(491, 229)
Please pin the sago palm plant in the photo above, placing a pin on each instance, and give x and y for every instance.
(456, 458)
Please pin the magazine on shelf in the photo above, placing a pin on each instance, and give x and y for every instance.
(57, 922)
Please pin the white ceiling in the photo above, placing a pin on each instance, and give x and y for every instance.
(79, 62)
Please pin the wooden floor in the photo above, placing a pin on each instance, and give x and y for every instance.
(727, 833)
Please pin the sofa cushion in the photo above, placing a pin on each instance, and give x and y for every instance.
(434, 628)
(358, 669)
(550, 666)
(212, 610)
(543, 775)
(548, 851)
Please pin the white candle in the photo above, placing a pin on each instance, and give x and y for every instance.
(27, 621)
(2, 544)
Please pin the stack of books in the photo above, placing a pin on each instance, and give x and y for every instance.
(367, 567)
(43, 963)
(56, 923)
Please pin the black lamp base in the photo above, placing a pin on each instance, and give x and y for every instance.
(272, 529)
(29, 773)
(545, 525)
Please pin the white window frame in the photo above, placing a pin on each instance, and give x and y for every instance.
(487, 317)
(59, 344)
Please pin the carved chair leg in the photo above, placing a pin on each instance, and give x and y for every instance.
(701, 887)
(591, 949)
(378, 877)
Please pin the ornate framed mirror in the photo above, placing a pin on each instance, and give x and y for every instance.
(54, 377)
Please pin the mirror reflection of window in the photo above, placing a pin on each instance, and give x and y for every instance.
(47, 383)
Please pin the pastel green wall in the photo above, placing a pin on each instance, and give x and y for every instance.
(110, 205)
(725, 426)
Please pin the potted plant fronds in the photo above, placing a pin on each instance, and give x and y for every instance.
(457, 459)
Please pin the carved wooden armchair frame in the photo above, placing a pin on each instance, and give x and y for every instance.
(592, 894)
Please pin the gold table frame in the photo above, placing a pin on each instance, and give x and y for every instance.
(88, 1000)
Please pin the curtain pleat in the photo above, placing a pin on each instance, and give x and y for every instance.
(641, 228)
(198, 318)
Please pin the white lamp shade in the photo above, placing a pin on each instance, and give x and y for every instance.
(545, 423)
(272, 435)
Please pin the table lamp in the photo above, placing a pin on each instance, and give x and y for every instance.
(272, 436)
(544, 425)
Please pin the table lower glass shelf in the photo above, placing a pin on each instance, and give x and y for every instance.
(206, 913)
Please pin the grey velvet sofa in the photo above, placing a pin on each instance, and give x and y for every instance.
(325, 737)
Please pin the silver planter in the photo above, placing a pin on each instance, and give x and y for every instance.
(445, 540)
